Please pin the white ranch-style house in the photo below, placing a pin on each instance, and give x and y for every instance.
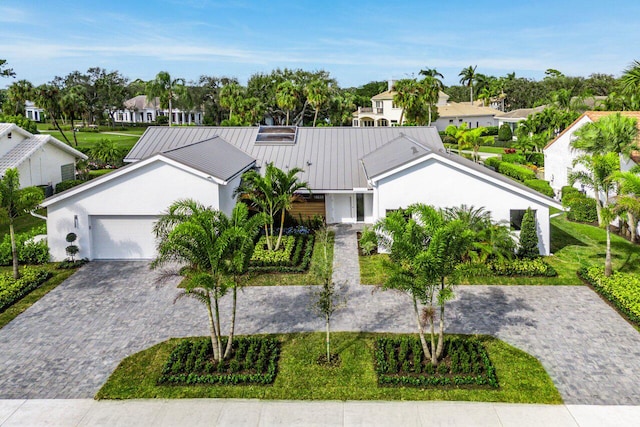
(356, 175)
(41, 160)
(383, 112)
(140, 109)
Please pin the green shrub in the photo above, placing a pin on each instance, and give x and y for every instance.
(621, 289)
(540, 186)
(254, 360)
(567, 192)
(536, 159)
(522, 267)
(22, 121)
(162, 120)
(11, 290)
(493, 162)
(491, 131)
(505, 133)
(298, 262)
(29, 252)
(400, 362)
(65, 185)
(514, 158)
(581, 208)
(518, 172)
(528, 244)
(263, 256)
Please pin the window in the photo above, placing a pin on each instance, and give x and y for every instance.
(9, 135)
(450, 120)
(394, 123)
(68, 172)
(516, 216)
(355, 123)
(120, 117)
(367, 122)
(383, 123)
(379, 108)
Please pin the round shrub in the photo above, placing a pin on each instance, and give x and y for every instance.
(505, 133)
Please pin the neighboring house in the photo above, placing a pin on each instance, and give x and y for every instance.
(40, 159)
(559, 156)
(512, 118)
(140, 109)
(356, 175)
(383, 112)
(32, 112)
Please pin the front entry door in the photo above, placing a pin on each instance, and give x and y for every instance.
(360, 207)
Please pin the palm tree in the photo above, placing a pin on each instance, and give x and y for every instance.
(287, 187)
(286, 97)
(432, 72)
(73, 104)
(167, 89)
(467, 77)
(631, 79)
(474, 138)
(231, 96)
(406, 96)
(628, 200)
(15, 202)
(614, 133)
(317, 94)
(598, 175)
(48, 98)
(430, 87)
(18, 93)
(212, 247)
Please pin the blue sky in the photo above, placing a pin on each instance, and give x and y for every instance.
(356, 41)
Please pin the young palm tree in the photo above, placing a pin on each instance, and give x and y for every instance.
(287, 188)
(15, 202)
(467, 77)
(167, 89)
(430, 88)
(211, 248)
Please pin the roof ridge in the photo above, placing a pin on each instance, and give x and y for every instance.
(193, 143)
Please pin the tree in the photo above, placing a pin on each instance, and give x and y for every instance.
(215, 250)
(630, 79)
(430, 88)
(286, 96)
(467, 77)
(18, 93)
(269, 194)
(426, 252)
(326, 298)
(4, 70)
(231, 96)
(457, 132)
(613, 133)
(628, 200)
(528, 247)
(15, 202)
(318, 94)
(505, 133)
(72, 105)
(474, 138)
(167, 89)
(48, 98)
(107, 152)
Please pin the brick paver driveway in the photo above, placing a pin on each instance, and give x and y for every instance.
(68, 343)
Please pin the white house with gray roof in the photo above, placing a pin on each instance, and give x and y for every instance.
(356, 176)
(40, 159)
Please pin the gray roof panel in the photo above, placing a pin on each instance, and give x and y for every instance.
(398, 152)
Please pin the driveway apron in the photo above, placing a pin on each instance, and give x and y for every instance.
(67, 344)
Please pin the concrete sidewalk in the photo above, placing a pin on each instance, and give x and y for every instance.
(232, 412)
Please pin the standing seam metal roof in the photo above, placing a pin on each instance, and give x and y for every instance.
(329, 156)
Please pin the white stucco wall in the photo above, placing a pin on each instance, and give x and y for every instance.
(471, 121)
(6, 143)
(441, 185)
(227, 198)
(43, 167)
(146, 191)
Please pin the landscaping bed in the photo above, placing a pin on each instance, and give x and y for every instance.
(293, 256)
(254, 360)
(300, 377)
(622, 290)
(12, 290)
(401, 362)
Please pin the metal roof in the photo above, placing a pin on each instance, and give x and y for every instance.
(329, 156)
(397, 152)
(213, 156)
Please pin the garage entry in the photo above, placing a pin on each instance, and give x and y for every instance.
(122, 237)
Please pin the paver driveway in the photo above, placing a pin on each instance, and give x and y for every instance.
(68, 343)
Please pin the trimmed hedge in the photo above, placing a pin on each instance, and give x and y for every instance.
(581, 208)
(536, 159)
(505, 133)
(514, 171)
(298, 262)
(522, 267)
(65, 185)
(262, 256)
(621, 289)
(29, 252)
(12, 290)
(254, 361)
(400, 362)
(514, 158)
(493, 162)
(541, 186)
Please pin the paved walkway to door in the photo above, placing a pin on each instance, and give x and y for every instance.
(67, 344)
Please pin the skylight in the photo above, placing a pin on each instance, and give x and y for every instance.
(277, 135)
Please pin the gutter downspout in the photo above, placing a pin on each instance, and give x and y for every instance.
(33, 213)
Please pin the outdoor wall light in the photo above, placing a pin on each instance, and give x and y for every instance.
(75, 221)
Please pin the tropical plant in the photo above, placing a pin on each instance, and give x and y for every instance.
(286, 97)
(426, 252)
(528, 245)
(597, 175)
(47, 96)
(317, 92)
(628, 200)
(613, 133)
(18, 93)
(106, 151)
(475, 138)
(213, 251)
(167, 89)
(467, 77)
(456, 132)
(272, 193)
(14, 202)
(631, 79)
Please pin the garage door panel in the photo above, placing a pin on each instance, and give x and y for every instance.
(123, 237)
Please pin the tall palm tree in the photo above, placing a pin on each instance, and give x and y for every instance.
(430, 88)
(467, 77)
(18, 93)
(212, 247)
(287, 188)
(432, 72)
(15, 202)
(167, 89)
(73, 104)
(317, 92)
(286, 97)
(405, 96)
(231, 97)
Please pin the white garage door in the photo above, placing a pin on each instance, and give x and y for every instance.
(123, 237)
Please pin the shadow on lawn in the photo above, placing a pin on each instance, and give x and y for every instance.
(488, 312)
(561, 239)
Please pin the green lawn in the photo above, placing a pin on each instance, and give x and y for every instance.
(573, 246)
(88, 139)
(522, 378)
(58, 277)
(22, 224)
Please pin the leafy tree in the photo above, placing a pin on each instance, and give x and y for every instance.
(528, 245)
(18, 93)
(215, 249)
(467, 77)
(326, 298)
(14, 202)
(4, 70)
(106, 151)
(231, 97)
(426, 251)
(269, 194)
(286, 95)
(73, 104)
(48, 98)
(167, 89)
